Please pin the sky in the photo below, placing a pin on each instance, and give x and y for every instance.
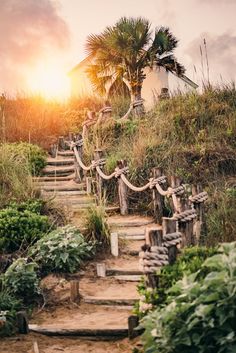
(41, 40)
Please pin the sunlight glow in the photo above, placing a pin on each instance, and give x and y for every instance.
(50, 81)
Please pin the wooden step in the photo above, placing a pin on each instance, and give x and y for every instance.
(118, 221)
(60, 162)
(109, 301)
(67, 193)
(95, 321)
(65, 153)
(83, 333)
(60, 171)
(53, 178)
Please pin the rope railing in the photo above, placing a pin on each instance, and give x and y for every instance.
(158, 185)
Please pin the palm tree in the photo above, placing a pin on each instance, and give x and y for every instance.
(122, 51)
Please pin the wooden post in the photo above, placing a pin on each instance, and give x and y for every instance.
(61, 143)
(53, 150)
(74, 291)
(22, 322)
(153, 238)
(89, 185)
(158, 200)
(199, 227)
(101, 270)
(169, 226)
(133, 322)
(99, 181)
(122, 191)
(114, 244)
(79, 173)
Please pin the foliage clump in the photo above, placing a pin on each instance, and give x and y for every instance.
(9, 306)
(201, 312)
(97, 228)
(33, 154)
(62, 250)
(21, 280)
(190, 261)
(20, 227)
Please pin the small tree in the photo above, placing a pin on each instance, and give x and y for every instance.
(122, 52)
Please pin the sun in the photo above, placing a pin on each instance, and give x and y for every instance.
(50, 81)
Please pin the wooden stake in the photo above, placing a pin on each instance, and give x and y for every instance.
(36, 347)
(158, 200)
(122, 191)
(74, 291)
(97, 156)
(114, 244)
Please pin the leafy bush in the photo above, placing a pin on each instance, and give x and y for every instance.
(32, 205)
(188, 262)
(97, 228)
(20, 228)
(21, 280)
(9, 306)
(201, 313)
(62, 250)
(34, 154)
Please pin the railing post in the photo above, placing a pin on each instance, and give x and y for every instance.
(61, 143)
(170, 226)
(199, 227)
(79, 173)
(99, 181)
(122, 191)
(158, 200)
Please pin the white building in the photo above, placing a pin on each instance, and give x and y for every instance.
(157, 80)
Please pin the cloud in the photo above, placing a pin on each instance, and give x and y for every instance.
(221, 51)
(29, 31)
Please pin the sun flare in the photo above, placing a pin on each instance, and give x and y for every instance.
(49, 81)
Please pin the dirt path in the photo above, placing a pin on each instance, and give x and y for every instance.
(24, 344)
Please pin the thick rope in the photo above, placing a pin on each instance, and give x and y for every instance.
(199, 198)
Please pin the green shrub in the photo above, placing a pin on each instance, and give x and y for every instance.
(32, 205)
(97, 228)
(20, 228)
(201, 314)
(62, 250)
(9, 306)
(188, 262)
(34, 154)
(21, 280)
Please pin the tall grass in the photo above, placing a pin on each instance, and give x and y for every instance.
(37, 120)
(15, 177)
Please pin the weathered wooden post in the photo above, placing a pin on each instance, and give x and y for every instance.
(122, 189)
(115, 244)
(158, 200)
(200, 228)
(169, 226)
(61, 143)
(99, 181)
(153, 237)
(79, 173)
(22, 322)
(74, 291)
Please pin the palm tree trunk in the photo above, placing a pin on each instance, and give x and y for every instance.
(136, 100)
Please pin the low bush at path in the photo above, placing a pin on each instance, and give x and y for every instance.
(20, 228)
(21, 280)
(201, 311)
(62, 250)
(9, 306)
(190, 261)
(33, 154)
